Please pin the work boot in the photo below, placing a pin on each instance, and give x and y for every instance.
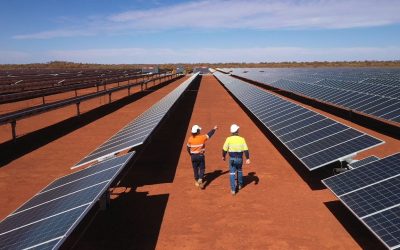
(202, 184)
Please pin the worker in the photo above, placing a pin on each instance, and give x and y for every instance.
(196, 149)
(235, 146)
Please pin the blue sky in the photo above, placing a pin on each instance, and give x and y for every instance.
(176, 31)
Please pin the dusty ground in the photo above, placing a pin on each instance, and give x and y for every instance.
(282, 205)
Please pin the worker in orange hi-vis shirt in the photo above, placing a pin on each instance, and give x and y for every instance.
(196, 147)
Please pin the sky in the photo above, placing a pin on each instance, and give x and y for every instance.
(202, 31)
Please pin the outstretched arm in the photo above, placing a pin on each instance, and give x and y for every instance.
(212, 131)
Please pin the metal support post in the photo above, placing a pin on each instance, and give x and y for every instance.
(129, 91)
(13, 130)
(76, 93)
(43, 100)
(78, 111)
(109, 98)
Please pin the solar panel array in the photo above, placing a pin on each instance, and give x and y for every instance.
(375, 92)
(362, 162)
(313, 138)
(46, 220)
(137, 131)
(372, 193)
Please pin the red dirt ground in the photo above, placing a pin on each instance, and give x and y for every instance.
(157, 206)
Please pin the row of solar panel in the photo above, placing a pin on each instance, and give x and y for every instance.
(381, 76)
(384, 107)
(365, 95)
(372, 193)
(369, 87)
(349, 83)
(137, 131)
(313, 138)
(48, 218)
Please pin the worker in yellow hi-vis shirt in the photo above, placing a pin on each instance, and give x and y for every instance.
(235, 146)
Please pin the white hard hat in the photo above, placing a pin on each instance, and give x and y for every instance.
(195, 128)
(234, 128)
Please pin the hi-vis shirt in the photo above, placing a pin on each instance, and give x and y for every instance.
(235, 145)
(197, 144)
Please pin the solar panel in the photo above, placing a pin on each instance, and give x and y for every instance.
(341, 150)
(72, 188)
(374, 198)
(327, 141)
(52, 206)
(303, 127)
(360, 177)
(303, 140)
(137, 131)
(386, 225)
(371, 91)
(372, 193)
(47, 231)
(314, 139)
(47, 219)
(84, 173)
(357, 164)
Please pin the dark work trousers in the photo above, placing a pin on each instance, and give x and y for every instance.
(235, 165)
(199, 165)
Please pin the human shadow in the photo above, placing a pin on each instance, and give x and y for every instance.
(210, 177)
(249, 178)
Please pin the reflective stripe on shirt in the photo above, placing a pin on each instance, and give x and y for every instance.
(194, 146)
